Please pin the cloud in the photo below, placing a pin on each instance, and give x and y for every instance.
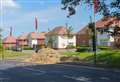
(8, 4)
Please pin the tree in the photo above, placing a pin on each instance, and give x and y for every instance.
(50, 39)
(106, 9)
(69, 31)
(69, 35)
(116, 34)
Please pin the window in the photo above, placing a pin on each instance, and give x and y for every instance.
(70, 43)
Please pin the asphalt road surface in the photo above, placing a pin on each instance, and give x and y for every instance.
(11, 71)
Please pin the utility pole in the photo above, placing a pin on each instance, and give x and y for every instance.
(94, 44)
(94, 39)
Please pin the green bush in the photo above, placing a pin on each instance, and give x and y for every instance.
(82, 46)
(27, 48)
(82, 49)
(104, 47)
(70, 47)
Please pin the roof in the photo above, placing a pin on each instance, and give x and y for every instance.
(9, 39)
(107, 21)
(37, 35)
(103, 23)
(83, 30)
(23, 36)
(59, 30)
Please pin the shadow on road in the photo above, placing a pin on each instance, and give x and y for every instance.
(56, 73)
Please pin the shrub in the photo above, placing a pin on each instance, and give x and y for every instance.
(82, 49)
(70, 47)
(82, 46)
(27, 48)
(104, 47)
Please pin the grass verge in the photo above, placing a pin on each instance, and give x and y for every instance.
(12, 54)
(109, 58)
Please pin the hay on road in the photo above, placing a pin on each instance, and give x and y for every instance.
(45, 56)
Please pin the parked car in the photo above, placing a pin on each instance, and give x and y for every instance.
(17, 48)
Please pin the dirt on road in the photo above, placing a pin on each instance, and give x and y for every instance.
(50, 56)
(45, 56)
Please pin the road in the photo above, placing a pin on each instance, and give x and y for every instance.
(12, 71)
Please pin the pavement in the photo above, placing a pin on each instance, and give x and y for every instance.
(12, 71)
(28, 51)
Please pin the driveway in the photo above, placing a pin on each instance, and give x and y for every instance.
(28, 51)
(12, 71)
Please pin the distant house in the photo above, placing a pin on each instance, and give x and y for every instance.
(9, 42)
(83, 37)
(22, 40)
(59, 39)
(36, 38)
(104, 38)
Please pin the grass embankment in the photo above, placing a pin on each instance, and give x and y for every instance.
(82, 55)
(7, 54)
(109, 57)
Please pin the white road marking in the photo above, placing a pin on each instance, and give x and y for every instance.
(2, 79)
(38, 73)
(83, 79)
(105, 78)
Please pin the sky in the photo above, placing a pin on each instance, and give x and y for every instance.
(20, 15)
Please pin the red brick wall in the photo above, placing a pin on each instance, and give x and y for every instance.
(82, 39)
(22, 42)
(9, 45)
(41, 41)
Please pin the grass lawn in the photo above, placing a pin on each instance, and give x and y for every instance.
(111, 58)
(82, 55)
(12, 54)
(107, 57)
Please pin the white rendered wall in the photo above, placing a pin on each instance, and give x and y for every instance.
(63, 42)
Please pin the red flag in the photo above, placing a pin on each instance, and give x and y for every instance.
(96, 5)
(10, 31)
(36, 23)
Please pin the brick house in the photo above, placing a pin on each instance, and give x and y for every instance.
(36, 38)
(83, 37)
(9, 42)
(22, 40)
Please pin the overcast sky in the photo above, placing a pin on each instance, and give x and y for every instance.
(20, 15)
